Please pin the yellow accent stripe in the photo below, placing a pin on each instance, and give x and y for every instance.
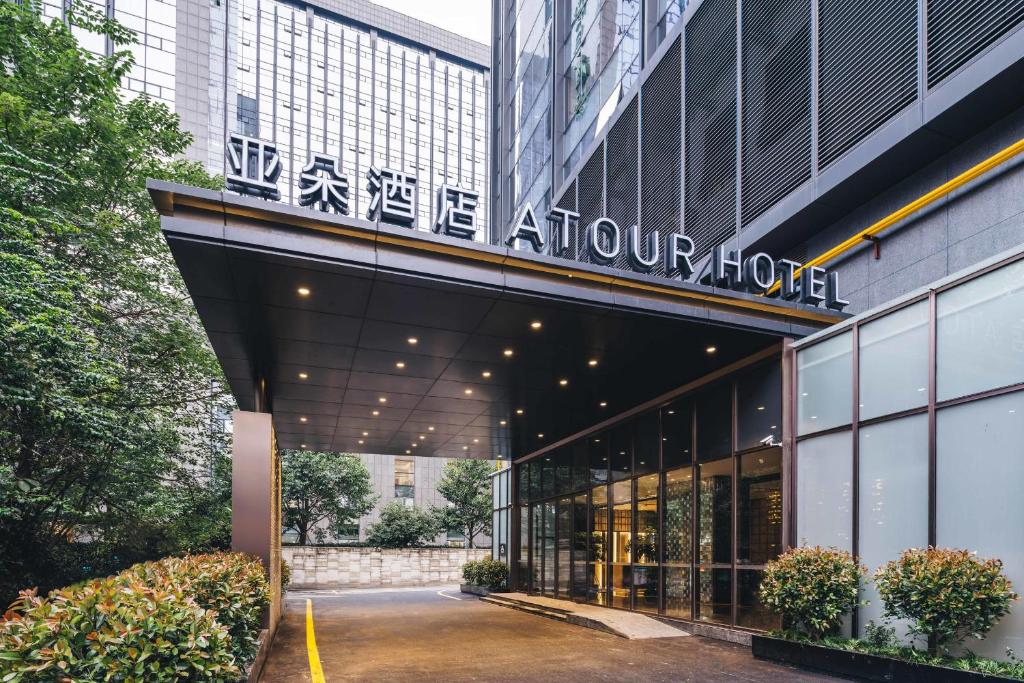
(914, 206)
(316, 672)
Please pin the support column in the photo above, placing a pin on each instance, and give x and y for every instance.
(256, 500)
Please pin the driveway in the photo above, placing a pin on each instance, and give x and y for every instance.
(439, 634)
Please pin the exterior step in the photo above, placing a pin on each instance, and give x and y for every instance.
(557, 615)
(631, 625)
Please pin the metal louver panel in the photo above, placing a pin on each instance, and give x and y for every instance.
(776, 119)
(568, 201)
(959, 30)
(867, 56)
(661, 125)
(710, 101)
(590, 194)
(623, 175)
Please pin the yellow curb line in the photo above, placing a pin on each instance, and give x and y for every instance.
(316, 672)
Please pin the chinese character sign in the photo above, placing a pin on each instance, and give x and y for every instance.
(322, 183)
(255, 167)
(392, 196)
(456, 211)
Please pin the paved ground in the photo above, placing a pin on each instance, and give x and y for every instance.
(443, 635)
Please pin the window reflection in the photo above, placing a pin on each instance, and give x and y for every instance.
(669, 542)
(622, 542)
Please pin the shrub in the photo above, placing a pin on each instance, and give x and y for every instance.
(116, 628)
(189, 618)
(233, 585)
(812, 588)
(286, 574)
(946, 594)
(401, 526)
(486, 573)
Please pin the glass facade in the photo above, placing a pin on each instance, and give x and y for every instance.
(615, 518)
(910, 429)
(309, 82)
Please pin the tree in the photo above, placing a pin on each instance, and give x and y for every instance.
(402, 526)
(107, 382)
(466, 485)
(323, 487)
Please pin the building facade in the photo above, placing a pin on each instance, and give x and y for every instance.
(363, 84)
(788, 128)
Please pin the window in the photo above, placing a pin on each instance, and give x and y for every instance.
(894, 362)
(405, 471)
(980, 333)
(824, 384)
(893, 509)
(824, 480)
(979, 469)
(348, 533)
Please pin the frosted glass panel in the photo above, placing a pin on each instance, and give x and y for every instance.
(894, 362)
(981, 333)
(824, 384)
(824, 483)
(980, 468)
(893, 512)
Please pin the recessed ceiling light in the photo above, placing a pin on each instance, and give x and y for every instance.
(508, 353)
(467, 392)
(303, 375)
(563, 382)
(376, 413)
(711, 349)
(383, 399)
(408, 452)
(412, 340)
(499, 456)
(774, 427)
(503, 423)
(476, 440)
(422, 436)
(465, 448)
(400, 364)
(536, 325)
(519, 411)
(366, 433)
(540, 436)
(760, 407)
(414, 444)
(671, 412)
(603, 404)
(303, 419)
(360, 442)
(430, 428)
(597, 440)
(303, 291)
(592, 362)
(486, 374)
(302, 445)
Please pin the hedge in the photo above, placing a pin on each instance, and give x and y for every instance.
(178, 619)
(486, 573)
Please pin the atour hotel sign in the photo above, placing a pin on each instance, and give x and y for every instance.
(605, 241)
(255, 167)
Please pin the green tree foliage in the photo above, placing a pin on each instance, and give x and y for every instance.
(402, 526)
(812, 588)
(323, 487)
(466, 485)
(947, 595)
(107, 384)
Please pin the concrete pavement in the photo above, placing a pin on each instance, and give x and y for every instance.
(439, 634)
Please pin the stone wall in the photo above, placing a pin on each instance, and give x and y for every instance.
(341, 567)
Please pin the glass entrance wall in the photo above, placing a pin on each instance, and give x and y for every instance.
(673, 511)
(909, 430)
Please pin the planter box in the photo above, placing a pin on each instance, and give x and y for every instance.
(859, 665)
(478, 590)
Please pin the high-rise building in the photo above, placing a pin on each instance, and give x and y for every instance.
(353, 80)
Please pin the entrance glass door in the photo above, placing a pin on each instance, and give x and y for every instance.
(548, 566)
(597, 568)
(578, 590)
(622, 543)
(564, 546)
